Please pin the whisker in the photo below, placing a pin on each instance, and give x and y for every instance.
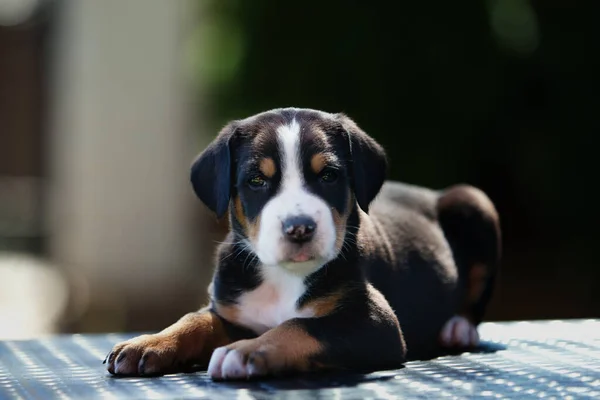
(234, 255)
(245, 246)
(247, 255)
(223, 242)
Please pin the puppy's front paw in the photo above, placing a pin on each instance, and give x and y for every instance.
(143, 355)
(244, 360)
(459, 332)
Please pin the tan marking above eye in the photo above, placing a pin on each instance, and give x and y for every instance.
(267, 167)
(318, 162)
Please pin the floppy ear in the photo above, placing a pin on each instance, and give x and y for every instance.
(211, 172)
(369, 163)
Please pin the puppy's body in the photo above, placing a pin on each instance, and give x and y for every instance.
(431, 255)
(316, 274)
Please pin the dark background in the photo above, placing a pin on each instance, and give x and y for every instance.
(499, 94)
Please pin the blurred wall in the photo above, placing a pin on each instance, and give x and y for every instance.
(122, 215)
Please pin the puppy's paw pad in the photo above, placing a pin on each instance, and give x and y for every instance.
(459, 332)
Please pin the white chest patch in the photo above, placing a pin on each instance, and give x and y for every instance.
(273, 302)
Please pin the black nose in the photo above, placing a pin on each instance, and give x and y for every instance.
(299, 229)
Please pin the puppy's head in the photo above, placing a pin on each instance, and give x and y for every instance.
(290, 178)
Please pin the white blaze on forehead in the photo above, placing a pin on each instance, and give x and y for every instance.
(289, 140)
(292, 199)
(275, 300)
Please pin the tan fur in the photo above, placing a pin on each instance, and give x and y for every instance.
(239, 212)
(285, 347)
(228, 312)
(251, 227)
(267, 167)
(325, 305)
(318, 162)
(254, 229)
(462, 196)
(192, 339)
(339, 221)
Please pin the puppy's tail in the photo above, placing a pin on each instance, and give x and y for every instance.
(472, 227)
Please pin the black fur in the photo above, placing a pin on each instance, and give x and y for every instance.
(363, 336)
(238, 272)
(369, 163)
(247, 166)
(211, 172)
(415, 253)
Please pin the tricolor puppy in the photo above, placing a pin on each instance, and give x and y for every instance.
(317, 273)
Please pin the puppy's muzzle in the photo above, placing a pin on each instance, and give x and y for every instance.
(299, 229)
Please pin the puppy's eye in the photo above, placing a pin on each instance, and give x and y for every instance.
(328, 176)
(257, 182)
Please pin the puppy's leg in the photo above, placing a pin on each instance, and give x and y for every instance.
(288, 347)
(356, 339)
(190, 340)
(472, 227)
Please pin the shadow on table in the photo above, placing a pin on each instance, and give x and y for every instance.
(483, 348)
(310, 381)
(314, 381)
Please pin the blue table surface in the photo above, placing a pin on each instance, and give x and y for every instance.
(542, 359)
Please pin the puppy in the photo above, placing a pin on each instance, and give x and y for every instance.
(316, 273)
